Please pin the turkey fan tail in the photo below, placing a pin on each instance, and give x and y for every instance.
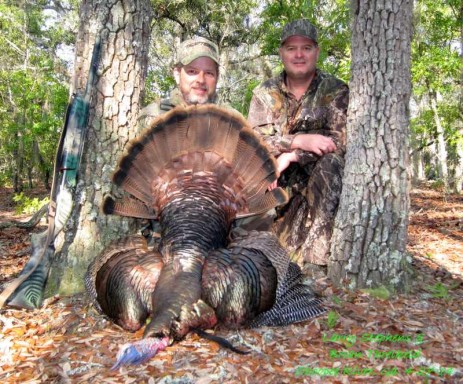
(190, 142)
(295, 302)
(121, 279)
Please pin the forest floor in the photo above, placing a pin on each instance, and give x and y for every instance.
(411, 338)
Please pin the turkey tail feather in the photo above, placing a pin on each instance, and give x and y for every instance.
(128, 207)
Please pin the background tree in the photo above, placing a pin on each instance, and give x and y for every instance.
(248, 33)
(369, 239)
(436, 66)
(123, 27)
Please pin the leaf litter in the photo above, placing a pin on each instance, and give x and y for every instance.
(411, 338)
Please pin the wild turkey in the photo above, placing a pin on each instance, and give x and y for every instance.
(196, 169)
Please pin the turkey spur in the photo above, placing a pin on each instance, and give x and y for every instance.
(196, 169)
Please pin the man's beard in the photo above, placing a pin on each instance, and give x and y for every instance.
(191, 98)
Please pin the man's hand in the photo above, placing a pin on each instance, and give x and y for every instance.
(283, 162)
(315, 143)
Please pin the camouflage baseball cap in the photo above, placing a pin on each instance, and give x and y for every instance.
(193, 48)
(300, 27)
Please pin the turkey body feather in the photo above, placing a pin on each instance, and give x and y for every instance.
(196, 169)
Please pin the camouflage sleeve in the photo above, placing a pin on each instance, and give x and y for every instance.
(335, 126)
(337, 118)
(147, 115)
(261, 119)
(305, 157)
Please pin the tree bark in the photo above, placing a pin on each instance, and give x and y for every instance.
(418, 167)
(370, 235)
(459, 167)
(458, 178)
(442, 169)
(124, 28)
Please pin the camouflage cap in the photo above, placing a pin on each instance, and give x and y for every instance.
(300, 27)
(193, 48)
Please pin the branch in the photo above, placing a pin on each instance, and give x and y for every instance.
(167, 15)
(29, 224)
(14, 46)
(446, 140)
(255, 57)
(421, 147)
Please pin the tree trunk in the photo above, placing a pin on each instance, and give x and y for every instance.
(370, 234)
(42, 167)
(459, 167)
(418, 167)
(124, 28)
(417, 171)
(442, 169)
(18, 163)
(458, 178)
(431, 161)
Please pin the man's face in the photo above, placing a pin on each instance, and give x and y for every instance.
(299, 56)
(197, 81)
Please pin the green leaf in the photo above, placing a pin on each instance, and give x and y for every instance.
(332, 319)
(381, 293)
(438, 291)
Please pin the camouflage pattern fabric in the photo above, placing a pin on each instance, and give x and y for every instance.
(199, 47)
(300, 27)
(149, 113)
(313, 183)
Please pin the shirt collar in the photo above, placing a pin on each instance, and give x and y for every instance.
(313, 85)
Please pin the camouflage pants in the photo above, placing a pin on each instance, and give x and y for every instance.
(305, 224)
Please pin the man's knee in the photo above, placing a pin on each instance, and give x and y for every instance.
(331, 164)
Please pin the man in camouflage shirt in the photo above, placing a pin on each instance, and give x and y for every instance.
(301, 114)
(196, 74)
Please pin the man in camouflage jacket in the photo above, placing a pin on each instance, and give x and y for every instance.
(301, 114)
